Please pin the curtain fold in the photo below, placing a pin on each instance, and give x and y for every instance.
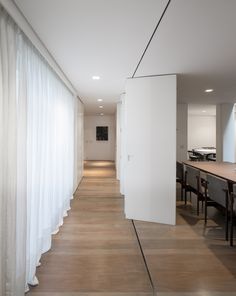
(50, 154)
(38, 150)
(13, 165)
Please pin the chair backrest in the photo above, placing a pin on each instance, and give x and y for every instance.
(234, 192)
(216, 189)
(179, 170)
(193, 177)
(192, 156)
(199, 155)
(211, 156)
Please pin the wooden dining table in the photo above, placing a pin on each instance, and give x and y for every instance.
(224, 170)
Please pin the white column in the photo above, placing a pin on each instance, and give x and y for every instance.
(219, 138)
(225, 132)
(182, 132)
(118, 139)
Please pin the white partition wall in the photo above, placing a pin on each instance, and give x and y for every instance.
(123, 154)
(182, 132)
(150, 171)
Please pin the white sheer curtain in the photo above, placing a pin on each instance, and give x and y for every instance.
(50, 154)
(12, 166)
(37, 154)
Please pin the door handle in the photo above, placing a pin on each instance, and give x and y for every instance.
(129, 157)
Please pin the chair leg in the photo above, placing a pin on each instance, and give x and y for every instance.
(205, 212)
(226, 226)
(185, 197)
(182, 192)
(226, 217)
(231, 221)
(205, 195)
(198, 206)
(231, 232)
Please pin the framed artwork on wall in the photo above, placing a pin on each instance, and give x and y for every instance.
(101, 133)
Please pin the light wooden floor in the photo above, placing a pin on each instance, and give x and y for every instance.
(96, 252)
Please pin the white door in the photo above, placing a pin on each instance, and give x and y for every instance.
(150, 171)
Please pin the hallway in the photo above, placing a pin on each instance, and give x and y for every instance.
(96, 252)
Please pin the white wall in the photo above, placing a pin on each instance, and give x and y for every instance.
(79, 143)
(182, 131)
(228, 126)
(150, 128)
(99, 150)
(118, 139)
(201, 131)
(226, 143)
(219, 136)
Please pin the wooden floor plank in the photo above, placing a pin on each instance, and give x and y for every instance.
(190, 258)
(96, 251)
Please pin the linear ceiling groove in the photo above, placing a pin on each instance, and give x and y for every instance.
(150, 40)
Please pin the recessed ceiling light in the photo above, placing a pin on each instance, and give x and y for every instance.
(96, 77)
(100, 100)
(101, 114)
(100, 106)
(204, 111)
(209, 90)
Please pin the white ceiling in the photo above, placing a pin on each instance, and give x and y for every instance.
(196, 39)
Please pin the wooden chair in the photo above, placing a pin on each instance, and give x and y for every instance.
(180, 176)
(211, 157)
(199, 156)
(217, 196)
(194, 184)
(195, 156)
(192, 156)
